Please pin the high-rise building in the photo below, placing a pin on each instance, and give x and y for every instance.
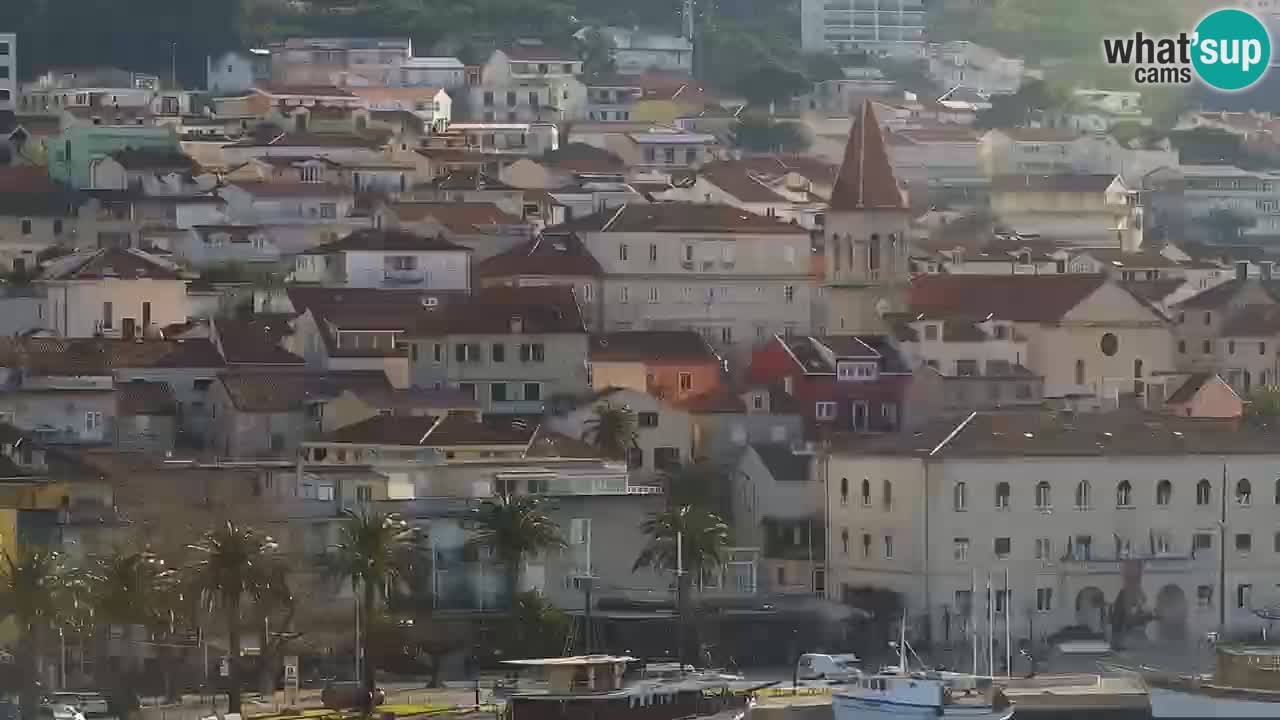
(892, 28)
(8, 71)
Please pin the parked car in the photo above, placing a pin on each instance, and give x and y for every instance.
(813, 666)
(345, 696)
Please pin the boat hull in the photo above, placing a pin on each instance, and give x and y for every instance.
(845, 707)
(1174, 704)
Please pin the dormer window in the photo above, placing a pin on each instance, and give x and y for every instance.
(855, 371)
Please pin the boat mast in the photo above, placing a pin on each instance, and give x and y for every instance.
(1008, 633)
(902, 643)
(991, 622)
(973, 616)
(1222, 558)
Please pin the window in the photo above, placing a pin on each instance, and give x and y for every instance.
(1079, 372)
(26, 227)
(437, 353)
(844, 491)
(930, 332)
(1204, 596)
(1203, 492)
(624, 295)
(1164, 492)
(1182, 347)
(685, 381)
(498, 352)
(1243, 593)
(887, 492)
(1244, 543)
(328, 210)
(622, 252)
(498, 391)
(691, 156)
(1003, 598)
(1044, 549)
(966, 368)
(844, 540)
(866, 545)
(653, 253)
(888, 547)
(653, 294)
(635, 458)
(1201, 541)
(866, 492)
(824, 410)
(1083, 492)
(1162, 543)
(532, 352)
(1044, 599)
(789, 293)
(1206, 347)
(92, 422)
(669, 155)
(1002, 546)
(364, 493)
(533, 99)
(57, 227)
(1124, 494)
(647, 419)
(107, 313)
(666, 458)
(1276, 543)
(1002, 496)
(1044, 499)
(1244, 492)
(466, 353)
(959, 497)
(1109, 344)
(960, 549)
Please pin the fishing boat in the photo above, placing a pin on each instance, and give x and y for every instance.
(896, 692)
(1245, 684)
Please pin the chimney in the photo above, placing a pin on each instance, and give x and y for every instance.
(1242, 270)
(1265, 268)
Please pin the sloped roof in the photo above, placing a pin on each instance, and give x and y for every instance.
(428, 431)
(655, 346)
(1223, 294)
(679, 217)
(866, 180)
(541, 310)
(125, 264)
(57, 356)
(292, 190)
(525, 52)
(468, 179)
(583, 158)
(461, 218)
(1066, 183)
(1253, 321)
(139, 397)
(736, 179)
(546, 254)
(1020, 298)
(247, 343)
(290, 390)
(155, 159)
(386, 240)
(1189, 388)
(783, 463)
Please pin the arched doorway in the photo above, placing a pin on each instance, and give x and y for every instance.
(1090, 608)
(1171, 615)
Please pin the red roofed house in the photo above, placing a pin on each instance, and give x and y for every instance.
(865, 229)
(1086, 334)
(844, 382)
(550, 259)
(671, 364)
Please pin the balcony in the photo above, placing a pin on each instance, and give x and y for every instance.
(517, 407)
(1082, 564)
(404, 277)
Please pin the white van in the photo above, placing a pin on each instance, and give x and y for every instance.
(813, 666)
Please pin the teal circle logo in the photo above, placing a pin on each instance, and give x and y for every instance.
(1231, 49)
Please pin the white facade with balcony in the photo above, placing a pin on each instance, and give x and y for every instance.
(398, 269)
(893, 28)
(8, 71)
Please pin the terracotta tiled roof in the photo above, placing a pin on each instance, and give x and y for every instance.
(458, 218)
(468, 179)
(417, 399)
(139, 397)
(289, 391)
(654, 346)
(57, 356)
(111, 263)
(1222, 295)
(929, 135)
(866, 180)
(46, 203)
(1154, 291)
(370, 140)
(547, 254)
(287, 89)
(25, 179)
(540, 310)
(1021, 298)
(679, 217)
(1188, 389)
(386, 240)
(735, 178)
(1253, 321)
(426, 431)
(584, 158)
(244, 343)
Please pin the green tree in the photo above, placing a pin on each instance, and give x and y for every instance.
(274, 608)
(232, 564)
(1020, 108)
(376, 551)
(538, 628)
(701, 538)
(129, 589)
(702, 484)
(612, 430)
(764, 85)
(596, 51)
(763, 134)
(516, 527)
(33, 589)
(1263, 407)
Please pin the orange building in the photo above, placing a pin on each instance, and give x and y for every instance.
(671, 364)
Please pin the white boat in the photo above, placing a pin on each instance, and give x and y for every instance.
(1245, 684)
(897, 693)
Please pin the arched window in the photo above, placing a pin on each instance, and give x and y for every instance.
(866, 545)
(1083, 491)
(960, 496)
(1244, 492)
(1204, 492)
(1044, 499)
(1164, 492)
(1124, 494)
(873, 254)
(1002, 495)
(844, 540)
(844, 491)
(1079, 372)
(866, 492)
(888, 495)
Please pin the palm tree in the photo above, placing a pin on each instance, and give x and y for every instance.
(701, 538)
(515, 527)
(701, 484)
(375, 553)
(612, 430)
(232, 563)
(275, 607)
(32, 591)
(128, 589)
